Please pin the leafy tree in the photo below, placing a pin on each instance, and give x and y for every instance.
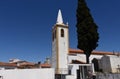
(87, 34)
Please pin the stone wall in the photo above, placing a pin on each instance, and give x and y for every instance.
(108, 76)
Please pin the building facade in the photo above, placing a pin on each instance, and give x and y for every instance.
(60, 46)
(66, 63)
(72, 62)
(111, 64)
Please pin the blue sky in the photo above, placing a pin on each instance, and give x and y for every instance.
(25, 26)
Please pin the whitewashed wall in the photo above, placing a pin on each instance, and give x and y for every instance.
(111, 64)
(60, 51)
(70, 77)
(75, 67)
(115, 63)
(82, 57)
(106, 65)
(63, 50)
(47, 73)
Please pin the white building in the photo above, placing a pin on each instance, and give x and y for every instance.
(111, 64)
(66, 63)
(60, 46)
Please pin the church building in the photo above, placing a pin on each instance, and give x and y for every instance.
(71, 62)
(65, 63)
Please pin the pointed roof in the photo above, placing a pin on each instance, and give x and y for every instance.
(59, 18)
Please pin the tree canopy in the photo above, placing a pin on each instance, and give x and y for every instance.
(87, 33)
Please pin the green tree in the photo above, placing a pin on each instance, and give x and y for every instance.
(87, 34)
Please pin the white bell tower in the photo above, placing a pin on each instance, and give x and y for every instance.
(60, 46)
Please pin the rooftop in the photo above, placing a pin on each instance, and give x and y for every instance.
(77, 51)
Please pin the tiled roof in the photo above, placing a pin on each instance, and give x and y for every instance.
(77, 62)
(76, 51)
(25, 65)
(45, 65)
(7, 64)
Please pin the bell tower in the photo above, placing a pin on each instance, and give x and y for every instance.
(60, 45)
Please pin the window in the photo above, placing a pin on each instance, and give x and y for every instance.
(53, 36)
(62, 33)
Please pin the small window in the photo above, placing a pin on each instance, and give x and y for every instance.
(53, 36)
(62, 33)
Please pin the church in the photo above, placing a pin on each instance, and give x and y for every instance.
(72, 61)
(65, 62)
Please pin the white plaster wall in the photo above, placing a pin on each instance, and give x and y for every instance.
(114, 61)
(28, 74)
(54, 54)
(82, 57)
(110, 63)
(70, 77)
(106, 66)
(73, 71)
(95, 56)
(75, 67)
(79, 57)
(63, 50)
(60, 51)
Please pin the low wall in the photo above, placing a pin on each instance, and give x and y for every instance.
(47, 73)
(108, 76)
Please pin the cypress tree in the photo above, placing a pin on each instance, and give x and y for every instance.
(87, 34)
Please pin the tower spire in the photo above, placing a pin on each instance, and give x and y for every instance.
(59, 18)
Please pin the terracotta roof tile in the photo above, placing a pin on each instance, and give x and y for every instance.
(77, 62)
(7, 64)
(77, 51)
(27, 63)
(45, 65)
